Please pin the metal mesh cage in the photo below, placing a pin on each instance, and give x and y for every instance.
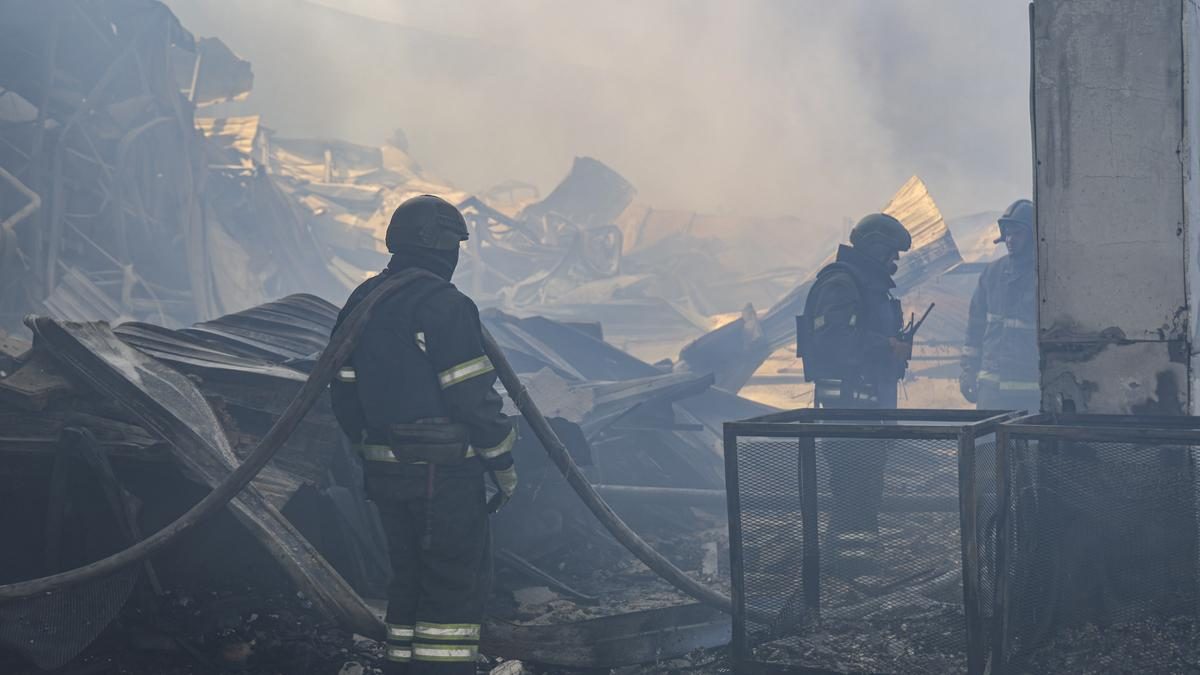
(845, 538)
(1096, 565)
(71, 517)
(51, 629)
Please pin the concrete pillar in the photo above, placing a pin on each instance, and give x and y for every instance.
(1118, 207)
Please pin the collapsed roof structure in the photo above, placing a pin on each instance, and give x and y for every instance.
(131, 220)
(194, 401)
(217, 249)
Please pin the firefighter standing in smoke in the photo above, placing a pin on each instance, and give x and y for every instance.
(417, 399)
(1000, 357)
(850, 338)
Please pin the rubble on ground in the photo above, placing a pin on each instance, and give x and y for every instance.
(630, 422)
(217, 250)
(1166, 645)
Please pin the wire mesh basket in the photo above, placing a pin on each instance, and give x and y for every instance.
(62, 520)
(1095, 566)
(849, 550)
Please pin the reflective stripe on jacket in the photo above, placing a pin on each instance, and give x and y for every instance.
(1001, 345)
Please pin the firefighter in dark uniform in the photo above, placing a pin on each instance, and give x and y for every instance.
(417, 400)
(856, 355)
(1000, 357)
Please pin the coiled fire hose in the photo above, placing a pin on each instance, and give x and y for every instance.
(341, 344)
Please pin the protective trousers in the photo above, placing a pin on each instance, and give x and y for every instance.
(856, 481)
(437, 527)
(996, 396)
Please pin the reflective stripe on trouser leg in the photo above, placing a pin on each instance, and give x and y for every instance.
(399, 654)
(400, 633)
(438, 653)
(399, 643)
(427, 631)
(1009, 384)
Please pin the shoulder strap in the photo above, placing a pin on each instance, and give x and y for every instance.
(425, 294)
(344, 394)
(850, 270)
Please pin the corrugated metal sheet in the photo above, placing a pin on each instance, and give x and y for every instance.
(76, 298)
(321, 160)
(591, 195)
(947, 324)
(976, 236)
(236, 133)
(296, 327)
(933, 250)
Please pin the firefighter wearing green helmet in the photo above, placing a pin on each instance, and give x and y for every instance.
(1000, 355)
(417, 400)
(850, 338)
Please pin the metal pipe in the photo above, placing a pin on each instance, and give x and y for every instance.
(35, 201)
(915, 503)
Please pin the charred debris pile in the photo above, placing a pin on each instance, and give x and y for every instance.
(125, 194)
(150, 240)
(183, 270)
(139, 420)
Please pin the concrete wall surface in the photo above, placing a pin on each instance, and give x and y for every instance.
(1112, 188)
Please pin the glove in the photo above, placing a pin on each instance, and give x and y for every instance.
(968, 384)
(506, 485)
(901, 349)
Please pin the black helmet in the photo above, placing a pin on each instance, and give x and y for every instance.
(1018, 214)
(426, 222)
(880, 229)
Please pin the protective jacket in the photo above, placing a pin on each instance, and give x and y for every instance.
(420, 358)
(417, 399)
(851, 314)
(1001, 348)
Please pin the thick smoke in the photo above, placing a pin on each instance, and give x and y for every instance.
(814, 109)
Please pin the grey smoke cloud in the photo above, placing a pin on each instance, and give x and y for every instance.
(814, 109)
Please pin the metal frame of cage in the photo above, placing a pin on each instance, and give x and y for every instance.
(964, 427)
(1140, 430)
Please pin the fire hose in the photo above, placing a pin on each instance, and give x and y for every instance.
(338, 350)
(583, 487)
